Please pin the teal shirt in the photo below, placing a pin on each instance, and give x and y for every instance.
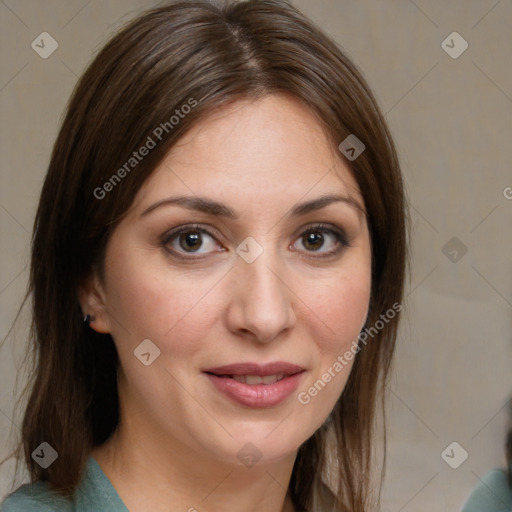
(491, 494)
(95, 493)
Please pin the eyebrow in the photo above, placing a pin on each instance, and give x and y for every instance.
(211, 207)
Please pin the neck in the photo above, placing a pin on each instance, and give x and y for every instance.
(152, 472)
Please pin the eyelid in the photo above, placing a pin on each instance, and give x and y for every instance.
(189, 227)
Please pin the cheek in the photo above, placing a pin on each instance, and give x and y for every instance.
(339, 310)
(173, 311)
(146, 302)
(342, 306)
(140, 291)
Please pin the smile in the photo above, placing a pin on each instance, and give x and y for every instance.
(256, 386)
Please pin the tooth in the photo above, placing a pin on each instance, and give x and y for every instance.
(256, 379)
(253, 379)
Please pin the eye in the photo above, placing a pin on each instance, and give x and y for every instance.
(191, 240)
(322, 239)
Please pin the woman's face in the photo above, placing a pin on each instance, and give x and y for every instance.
(250, 269)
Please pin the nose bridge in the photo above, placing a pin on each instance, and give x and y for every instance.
(264, 275)
(262, 299)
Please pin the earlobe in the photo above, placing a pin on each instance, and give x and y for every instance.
(91, 296)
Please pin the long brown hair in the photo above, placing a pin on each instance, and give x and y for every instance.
(212, 54)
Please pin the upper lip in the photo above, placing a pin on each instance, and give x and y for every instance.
(261, 370)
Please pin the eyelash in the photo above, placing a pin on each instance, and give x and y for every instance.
(338, 234)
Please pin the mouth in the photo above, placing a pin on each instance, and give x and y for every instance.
(254, 385)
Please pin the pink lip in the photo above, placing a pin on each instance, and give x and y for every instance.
(257, 395)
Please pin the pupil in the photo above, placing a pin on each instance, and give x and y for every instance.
(314, 238)
(190, 240)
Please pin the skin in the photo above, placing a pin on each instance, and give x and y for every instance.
(178, 438)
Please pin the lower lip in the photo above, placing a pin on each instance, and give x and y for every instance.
(257, 396)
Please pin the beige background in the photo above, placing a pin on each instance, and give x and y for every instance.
(451, 119)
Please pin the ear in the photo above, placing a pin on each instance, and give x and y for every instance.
(91, 295)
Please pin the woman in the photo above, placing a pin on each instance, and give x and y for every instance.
(217, 272)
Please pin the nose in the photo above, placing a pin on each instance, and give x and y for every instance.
(261, 306)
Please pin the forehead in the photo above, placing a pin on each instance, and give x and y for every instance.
(254, 151)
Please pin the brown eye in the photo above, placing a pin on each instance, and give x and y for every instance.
(190, 240)
(313, 241)
(322, 239)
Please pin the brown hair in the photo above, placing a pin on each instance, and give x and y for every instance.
(213, 55)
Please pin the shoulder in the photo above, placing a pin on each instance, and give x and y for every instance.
(35, 497)
(492, 494)
(94, 493)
